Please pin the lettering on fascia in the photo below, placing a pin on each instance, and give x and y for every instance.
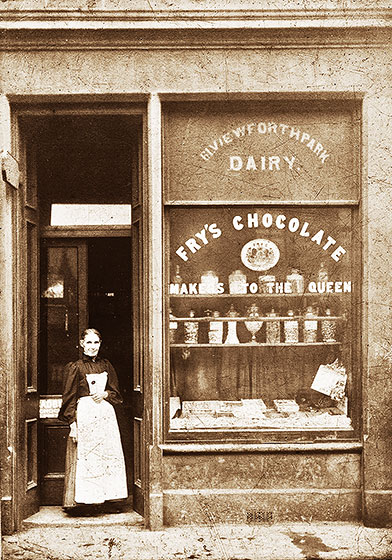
(270, 162)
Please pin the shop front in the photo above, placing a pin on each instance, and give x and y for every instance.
(223, 220)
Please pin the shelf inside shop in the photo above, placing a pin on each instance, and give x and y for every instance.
(253, 344)
(259, 295)
(260, 318)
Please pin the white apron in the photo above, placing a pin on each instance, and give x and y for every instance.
(100, 468)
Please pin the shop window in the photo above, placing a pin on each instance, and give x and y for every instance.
(261, 298)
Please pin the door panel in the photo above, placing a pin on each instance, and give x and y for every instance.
(63, 308)
(29, 354)
(63, 314)
(138, 353)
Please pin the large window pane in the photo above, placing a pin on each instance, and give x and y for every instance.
(261, 317)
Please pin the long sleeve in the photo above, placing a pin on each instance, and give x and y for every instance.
(70, 394)
(112, 388)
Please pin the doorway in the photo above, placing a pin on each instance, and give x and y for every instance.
(87, 273)
(84, 282)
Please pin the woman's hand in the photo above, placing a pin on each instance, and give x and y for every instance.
(73, 434)
(98, 397)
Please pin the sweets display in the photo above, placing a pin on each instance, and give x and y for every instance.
(287, 327)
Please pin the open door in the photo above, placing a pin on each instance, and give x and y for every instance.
(138, 337)
(63, 316)
(19, 312)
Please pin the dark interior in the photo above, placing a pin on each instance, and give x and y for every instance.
(86, 160)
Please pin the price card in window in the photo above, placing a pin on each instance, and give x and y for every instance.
(328, 380)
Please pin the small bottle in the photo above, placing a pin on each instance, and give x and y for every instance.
(232, 337)
(173, 326)
(177, 279)
(291, 331)
(323, 273)
(176, 282)
(215, 334)
(328, 328)
(296, 280)
(272, 329)
(191, 330)
(310, 326)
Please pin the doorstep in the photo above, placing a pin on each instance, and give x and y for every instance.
(54, 516)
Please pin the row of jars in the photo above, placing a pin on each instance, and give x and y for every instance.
(209, 281)
(292, 329)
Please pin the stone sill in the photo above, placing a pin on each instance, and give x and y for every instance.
(329, 447)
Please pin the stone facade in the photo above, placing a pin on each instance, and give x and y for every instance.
(98, 52)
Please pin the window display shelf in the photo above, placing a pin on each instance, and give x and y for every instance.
(259, 295)
(252, 344)
(261, 318)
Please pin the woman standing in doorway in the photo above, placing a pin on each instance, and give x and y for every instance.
(94, 465)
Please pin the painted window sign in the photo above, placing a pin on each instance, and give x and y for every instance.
(264, 221)
(260, 317)
(261, 151)
(264, 162)
(262, 254)
(261, 295)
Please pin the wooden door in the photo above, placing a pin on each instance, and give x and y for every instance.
(63, 315)
(19, 397)
(138, 327)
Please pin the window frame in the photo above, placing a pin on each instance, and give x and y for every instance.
(266, 435)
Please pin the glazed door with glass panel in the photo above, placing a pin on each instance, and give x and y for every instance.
(63, 316)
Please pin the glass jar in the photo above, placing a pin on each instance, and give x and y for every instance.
(328, 328)
(209, 283)
(310, 325)
(254, 325)
(296, 281)
(264, 281)
(215, 333)
(232, 337)
(272, 329)
(173, 326)
(291, 330)
(237, 282)
(191, 330)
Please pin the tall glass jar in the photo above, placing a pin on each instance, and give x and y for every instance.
(291, 329)
(328, 328)
(173, 326)
(191, 330)
(272, 329)
(215, 333)
(310, 325)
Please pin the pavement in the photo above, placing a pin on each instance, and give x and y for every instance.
(51, 535)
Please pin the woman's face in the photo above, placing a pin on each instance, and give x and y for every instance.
(90, 344)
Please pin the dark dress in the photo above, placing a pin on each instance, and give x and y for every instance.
(94, 466)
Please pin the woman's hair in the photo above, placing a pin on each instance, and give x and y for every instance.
(86, 332)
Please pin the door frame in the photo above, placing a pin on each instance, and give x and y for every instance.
(15, 470)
